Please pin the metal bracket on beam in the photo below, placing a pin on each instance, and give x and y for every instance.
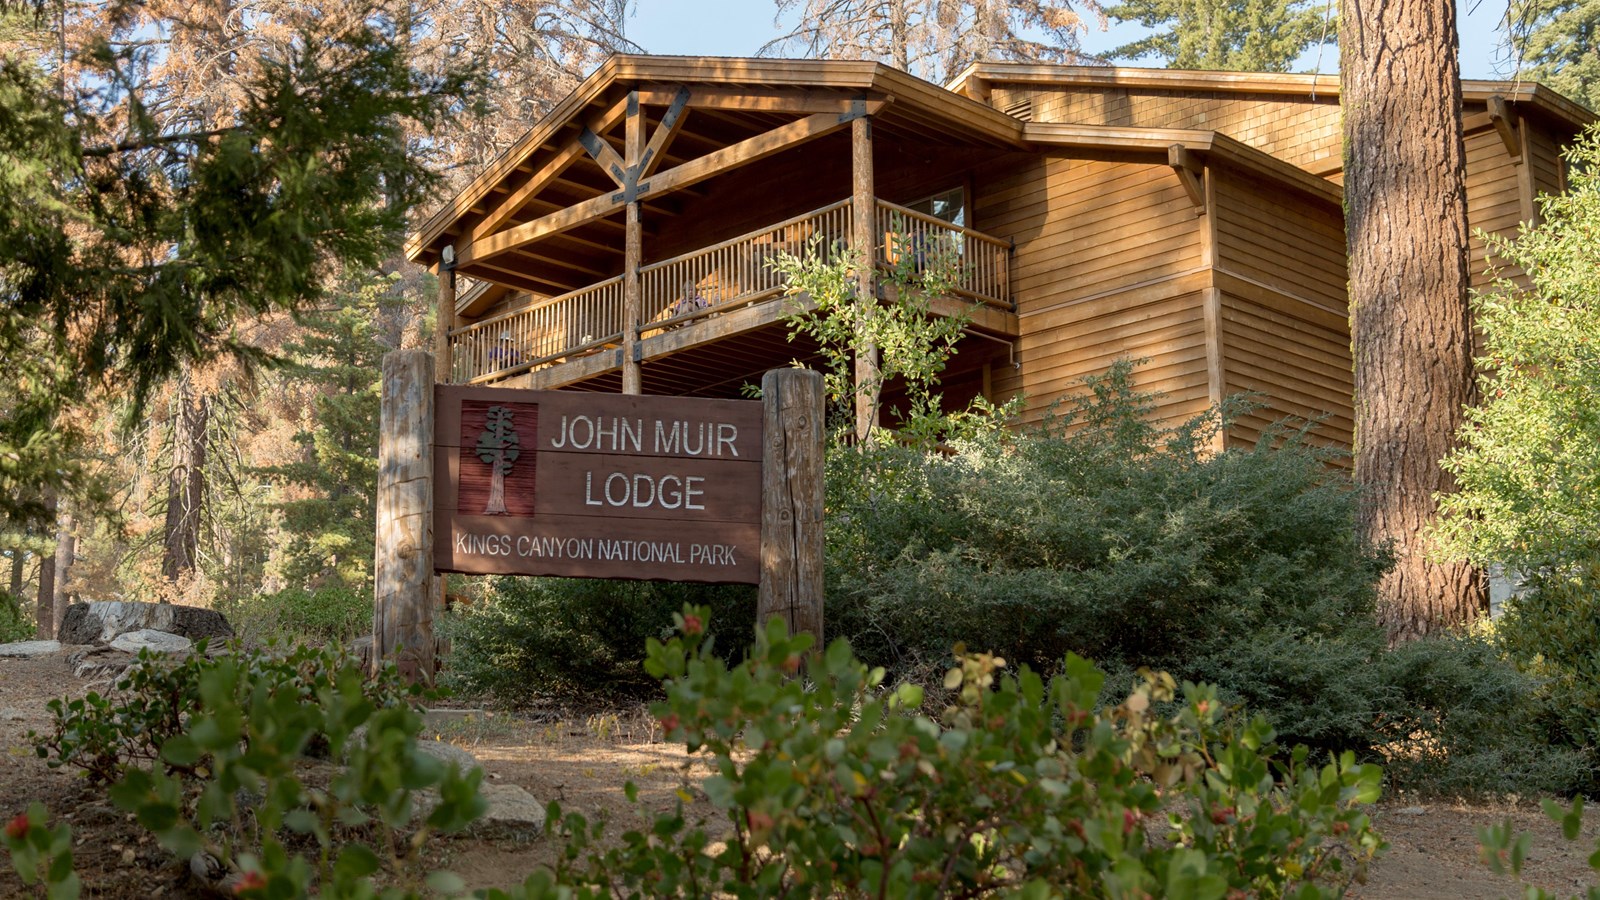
(858, 109)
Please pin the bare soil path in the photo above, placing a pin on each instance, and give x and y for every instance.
(584, 762)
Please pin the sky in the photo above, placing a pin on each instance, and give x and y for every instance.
(740, 27)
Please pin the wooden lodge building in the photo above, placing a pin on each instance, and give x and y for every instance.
(1194, 219)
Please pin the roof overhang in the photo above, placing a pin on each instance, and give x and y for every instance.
(755, 95)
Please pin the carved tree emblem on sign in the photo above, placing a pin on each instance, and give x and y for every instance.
(498, 448)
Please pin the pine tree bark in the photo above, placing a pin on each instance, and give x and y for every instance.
(66, 555)
(44, 605)
(185, 484)
(1406, 226)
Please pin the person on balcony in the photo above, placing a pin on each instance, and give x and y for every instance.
(503, 355)
(688, 302)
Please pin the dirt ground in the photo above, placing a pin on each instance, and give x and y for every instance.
(583, 762)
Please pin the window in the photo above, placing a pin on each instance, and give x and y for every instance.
(950, 206)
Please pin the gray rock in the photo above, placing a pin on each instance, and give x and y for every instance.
(511, 809)
(153, 640)
(99, 662)
(29, 649)
(104, 620)
(11, 715)
(450, 753)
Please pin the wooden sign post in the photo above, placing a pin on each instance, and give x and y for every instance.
(486, 480)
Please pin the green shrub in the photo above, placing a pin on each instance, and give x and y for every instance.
(536, 637)
(15, 624)
(220, 764)
(1552, 631)
(1107, 535)
(834, 786)
(326, 615)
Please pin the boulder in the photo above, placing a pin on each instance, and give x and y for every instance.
(152, 640)
(103, 620)
(512, 812)
(450, 753)
(99, 661)
(29, 649)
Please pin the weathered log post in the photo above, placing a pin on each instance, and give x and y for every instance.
(792, 500)
(403, 567)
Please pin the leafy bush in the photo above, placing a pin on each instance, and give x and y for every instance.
(1505, 850)
(14, 622)
(335, 614)
(836, 787)
(1107, 535)
(230, 748)
(40, 854)
(539, 636)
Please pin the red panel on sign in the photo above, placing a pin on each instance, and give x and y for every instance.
(498, 436)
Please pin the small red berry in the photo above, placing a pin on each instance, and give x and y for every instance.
(1130, 821)
(692, 624)
(17, 828)
(758, 820)
(250, 881)
(669, 723)
(1221, 815)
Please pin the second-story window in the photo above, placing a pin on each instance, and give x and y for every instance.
(950, 206)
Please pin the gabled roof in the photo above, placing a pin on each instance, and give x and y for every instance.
(772, 92)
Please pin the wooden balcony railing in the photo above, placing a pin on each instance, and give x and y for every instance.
(984, 272)
(503, 345)
(734, 273)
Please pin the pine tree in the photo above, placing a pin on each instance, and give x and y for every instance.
(1411, 336)
(148, 209)
(328, 497)
(1558, 44)
(1237, 35)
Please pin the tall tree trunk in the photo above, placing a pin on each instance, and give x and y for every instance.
(185, 484)
(1406, 225)
(66, 555)
(44, 607)
(19, 562)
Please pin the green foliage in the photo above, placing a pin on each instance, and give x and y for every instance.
(912, 344)
(1107, 535)
(326, 615)
(1239, 35)
(541, 637)
(14, 622)
(835, 786)
(1504, 850)
(40, 854)
(1556, 44)
(1528, 465)
(139, 232)
(329, 518)
(228, 749)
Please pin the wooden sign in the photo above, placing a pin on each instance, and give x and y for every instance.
(594, 485)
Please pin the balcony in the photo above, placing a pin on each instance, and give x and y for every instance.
(709, 294)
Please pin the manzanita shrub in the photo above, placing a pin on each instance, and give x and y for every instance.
(42, 855)
(834, 785)
(292, 772)
(1504, 850)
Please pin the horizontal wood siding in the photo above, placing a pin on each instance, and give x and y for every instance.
(1105, 266)
(1285, 332)
(1494, 200)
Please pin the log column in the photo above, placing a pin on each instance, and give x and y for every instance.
(633, 152)
(792, 501)
(445, 319)
(403, 567)
(863, 208)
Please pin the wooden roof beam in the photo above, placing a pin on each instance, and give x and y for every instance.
(715, 163)
(1504, 120)
(734, 98)
(1190, 172)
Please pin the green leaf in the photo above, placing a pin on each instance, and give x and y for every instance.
(356, 861)
(446, 882)
(181, 750)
